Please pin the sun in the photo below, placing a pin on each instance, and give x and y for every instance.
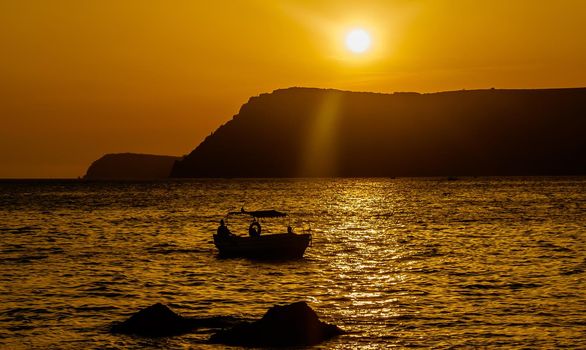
(358, 40)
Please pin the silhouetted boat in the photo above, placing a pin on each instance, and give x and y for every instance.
(256, 246)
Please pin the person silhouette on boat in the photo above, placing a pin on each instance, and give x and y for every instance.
(290, 230)
(223, 230)
(254, 229)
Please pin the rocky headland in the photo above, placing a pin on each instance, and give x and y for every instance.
(304, 132)
(130, 166)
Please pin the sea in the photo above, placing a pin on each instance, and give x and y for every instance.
(396, 262)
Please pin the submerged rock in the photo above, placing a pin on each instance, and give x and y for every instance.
(154, 321)
(288, 325)
(159, 321)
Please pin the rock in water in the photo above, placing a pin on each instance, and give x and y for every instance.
(155, 321)
(288, 325)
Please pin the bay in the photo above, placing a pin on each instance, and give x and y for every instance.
(399, 263)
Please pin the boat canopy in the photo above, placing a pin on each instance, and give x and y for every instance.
(260, 213)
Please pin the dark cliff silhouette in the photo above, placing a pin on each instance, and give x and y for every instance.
(130, 166)
(315, 132)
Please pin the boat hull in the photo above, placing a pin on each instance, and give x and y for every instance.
(276, 246)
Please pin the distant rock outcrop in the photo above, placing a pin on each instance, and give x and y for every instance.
(289, 325)
(314, 132)
(130, 166)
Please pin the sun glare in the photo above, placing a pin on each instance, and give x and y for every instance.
(358, 40)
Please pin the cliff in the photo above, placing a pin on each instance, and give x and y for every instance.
(315, 132)
(130, 166)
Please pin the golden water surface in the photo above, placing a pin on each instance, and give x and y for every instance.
(398, 263)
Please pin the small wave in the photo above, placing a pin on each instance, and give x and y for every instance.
(14, 248)
(96, 289)
(554, 247)
(195, 283)
(570, 272)
(17, 230)
(107, 294)
(544, 314)
(404, 317)
(25, 310)
(165, 248)
(95, 308)
(446, 324)
(431, 252)
(578, 269)
(25, 259)
(502, 286)
(466, 220)
(522, 285)
(21, 327)
(480, 286)
(423, 270)
(495, 335)
(469, 273)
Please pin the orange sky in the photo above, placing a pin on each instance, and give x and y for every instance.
(82, 78)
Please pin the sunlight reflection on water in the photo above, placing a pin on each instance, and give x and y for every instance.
(397, 262)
